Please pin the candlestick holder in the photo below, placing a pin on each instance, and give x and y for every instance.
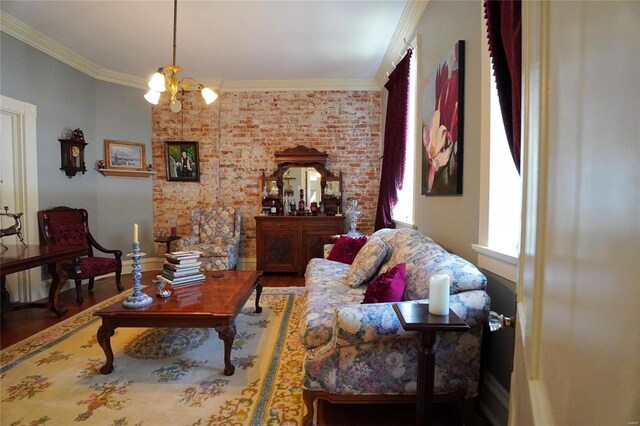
(137, 299)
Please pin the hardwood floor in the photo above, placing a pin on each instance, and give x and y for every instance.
(22, 324)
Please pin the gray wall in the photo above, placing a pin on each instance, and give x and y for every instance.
(67, 99)
(497, 350)
(452, 221)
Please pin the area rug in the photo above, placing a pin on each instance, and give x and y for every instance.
(162, 376)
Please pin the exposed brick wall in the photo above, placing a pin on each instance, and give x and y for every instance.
(253, 126)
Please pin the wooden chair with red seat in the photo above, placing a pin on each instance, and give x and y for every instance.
(67, 226)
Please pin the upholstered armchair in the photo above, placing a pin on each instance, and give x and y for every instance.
(70, 227)
(216, 233)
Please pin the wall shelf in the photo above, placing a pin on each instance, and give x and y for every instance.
(126, 173)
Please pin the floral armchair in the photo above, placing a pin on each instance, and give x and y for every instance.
(216, 233)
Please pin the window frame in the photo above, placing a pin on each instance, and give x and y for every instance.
(489, 258)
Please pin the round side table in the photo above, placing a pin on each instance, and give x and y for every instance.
(167, 241)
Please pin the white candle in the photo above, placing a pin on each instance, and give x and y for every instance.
(135, 232)
(439, 295)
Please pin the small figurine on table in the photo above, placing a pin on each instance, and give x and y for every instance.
(15, 229)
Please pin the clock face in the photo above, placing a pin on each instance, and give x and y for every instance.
(75, 151)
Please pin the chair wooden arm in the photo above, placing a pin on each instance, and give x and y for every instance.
(94, 243)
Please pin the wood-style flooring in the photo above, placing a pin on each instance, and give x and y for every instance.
(24, 323)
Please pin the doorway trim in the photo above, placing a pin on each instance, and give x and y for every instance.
(25, 176)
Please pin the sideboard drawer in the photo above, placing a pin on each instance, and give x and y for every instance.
(328, 224)
(276, 223)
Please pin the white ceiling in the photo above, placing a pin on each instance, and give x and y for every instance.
(223, 40)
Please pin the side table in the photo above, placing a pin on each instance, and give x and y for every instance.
(416, 317)
(167, 241)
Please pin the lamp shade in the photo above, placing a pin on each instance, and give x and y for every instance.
(157, 82)
(152, 97)
(209, 95)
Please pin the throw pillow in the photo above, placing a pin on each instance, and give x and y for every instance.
(387, 287)
(367, 262)
(346, 249)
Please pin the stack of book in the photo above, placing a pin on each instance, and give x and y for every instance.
(182, 268)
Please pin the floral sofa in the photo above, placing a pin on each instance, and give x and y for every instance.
(216, 233)
(360, 352)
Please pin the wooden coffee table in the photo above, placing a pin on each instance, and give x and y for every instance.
(214, 303)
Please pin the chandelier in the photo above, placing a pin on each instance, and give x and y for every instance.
(167, 79)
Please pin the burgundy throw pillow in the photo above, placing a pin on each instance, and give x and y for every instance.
(346, 248)
(387, 287)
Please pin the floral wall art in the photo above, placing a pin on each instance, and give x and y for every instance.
(442, 125)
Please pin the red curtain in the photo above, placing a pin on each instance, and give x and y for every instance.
(504, 31)
(395, 142)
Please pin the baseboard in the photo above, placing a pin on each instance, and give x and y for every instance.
(494, 401)
(247, 264)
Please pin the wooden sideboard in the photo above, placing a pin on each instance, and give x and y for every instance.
(287, 243)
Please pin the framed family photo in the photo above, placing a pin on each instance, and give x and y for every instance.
(182, 161)
(122, 155)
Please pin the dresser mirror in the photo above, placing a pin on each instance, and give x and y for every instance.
(301, 168)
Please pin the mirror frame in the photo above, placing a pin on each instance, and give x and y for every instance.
(302, 156)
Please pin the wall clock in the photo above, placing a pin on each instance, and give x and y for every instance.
(72, 154)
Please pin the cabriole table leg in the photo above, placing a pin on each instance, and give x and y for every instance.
(227, 334)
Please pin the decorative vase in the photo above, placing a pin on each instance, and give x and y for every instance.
(353, 213)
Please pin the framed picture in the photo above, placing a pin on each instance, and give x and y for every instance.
(124, 155)
(182, 161)
(442, 125)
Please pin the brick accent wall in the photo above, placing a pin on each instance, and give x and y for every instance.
(238, 136)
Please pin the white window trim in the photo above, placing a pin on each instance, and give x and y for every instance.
(496, 261)
(499, 263)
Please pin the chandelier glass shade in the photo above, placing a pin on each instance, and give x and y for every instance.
(166, 79)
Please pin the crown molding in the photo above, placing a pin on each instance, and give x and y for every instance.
(297, 85)
(37, 40)
(411, 15)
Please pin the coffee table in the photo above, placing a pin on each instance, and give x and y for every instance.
(215, 303)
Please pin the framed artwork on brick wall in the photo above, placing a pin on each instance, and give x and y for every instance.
(182, 161)
(442, 125)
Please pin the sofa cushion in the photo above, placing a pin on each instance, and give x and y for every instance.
(346, 248)
(464, 276)
(325, 292)
(367, 262)
(387, 287)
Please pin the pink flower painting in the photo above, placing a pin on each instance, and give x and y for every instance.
(442, 97)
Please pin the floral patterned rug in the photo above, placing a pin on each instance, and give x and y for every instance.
(162, 376)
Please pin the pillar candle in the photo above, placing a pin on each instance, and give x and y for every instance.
(135, 232)
(439, 295)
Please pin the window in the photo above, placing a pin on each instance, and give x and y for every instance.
(500, 187)
(505, 187)
(403, 210)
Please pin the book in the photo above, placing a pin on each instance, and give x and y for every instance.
(182, 280)
(177, 262)
(172, 277)
(180, 257)
(181, 266)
